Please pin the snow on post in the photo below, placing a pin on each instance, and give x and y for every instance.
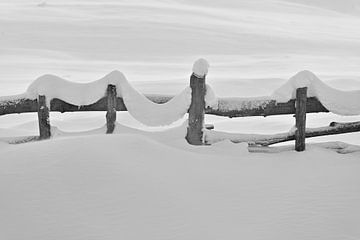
(111, 108)
(200, 68)
(300, 114)
(43, 116)
(197, 107)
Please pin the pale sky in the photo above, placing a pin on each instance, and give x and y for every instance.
(159, 39)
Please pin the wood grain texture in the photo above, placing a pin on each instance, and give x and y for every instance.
(194, 134)
(267, 108)
(263, 108)
(111, 108)
(43, 118)
(24, 105)
(300, 116)
(333, 129)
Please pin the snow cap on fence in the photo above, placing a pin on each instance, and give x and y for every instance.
(200, 67)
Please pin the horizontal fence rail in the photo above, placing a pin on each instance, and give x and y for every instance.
(262, 108)
(57, 105)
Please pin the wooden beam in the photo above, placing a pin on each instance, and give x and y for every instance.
(111, 108)
(239, 107)
(300, 116)
(339, 147)
(243, 107)
(194, 134)
(24, 105)
(333, 129)
(43, 116)
(20, 105)
(266, 140)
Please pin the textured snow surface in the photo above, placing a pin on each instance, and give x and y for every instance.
(141, 108)
(213, 136)
(156, 186)
(236, 103)
(210, 98)
(12, 98)
(336, 101)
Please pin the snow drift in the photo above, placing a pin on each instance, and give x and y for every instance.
(141, 108)
(336, 101)
(103, 187)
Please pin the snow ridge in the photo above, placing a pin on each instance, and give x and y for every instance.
(336, 101)
(141, 108)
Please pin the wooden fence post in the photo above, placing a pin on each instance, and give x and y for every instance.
(197, 110)
(300, 115)
(111, 108)
(43, 117)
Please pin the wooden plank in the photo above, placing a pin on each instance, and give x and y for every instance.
(300, 116)
(24, 105)
(21, 105)
(111, 108)
(43, 117)
(333, 129)
(240, 107)
(339, 147)
(194, 134)
(262, 108)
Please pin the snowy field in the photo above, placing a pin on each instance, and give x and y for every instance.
(151, 184)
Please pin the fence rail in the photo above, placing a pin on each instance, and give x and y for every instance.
(57, 105)
(263, 108)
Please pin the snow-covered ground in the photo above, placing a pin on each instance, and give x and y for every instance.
(153, 185)
(156, 186)
(253, 46)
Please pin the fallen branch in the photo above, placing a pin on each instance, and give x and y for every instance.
(339, 147)
(266, 140)
(262, 106)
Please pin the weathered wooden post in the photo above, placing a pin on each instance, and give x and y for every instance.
(197, 107)
(111, 108)
(43, 117)
(300, 115)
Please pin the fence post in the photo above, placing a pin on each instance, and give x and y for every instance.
(43, 118)
(111, 108)
(194, 134)
(300, 115)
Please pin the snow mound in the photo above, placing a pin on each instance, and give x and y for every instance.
(153, 114)
(336, 101)
(141, 108)
(75, 93)
(200, 67)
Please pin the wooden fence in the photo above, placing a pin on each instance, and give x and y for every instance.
(111, 103)
(299, 106)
